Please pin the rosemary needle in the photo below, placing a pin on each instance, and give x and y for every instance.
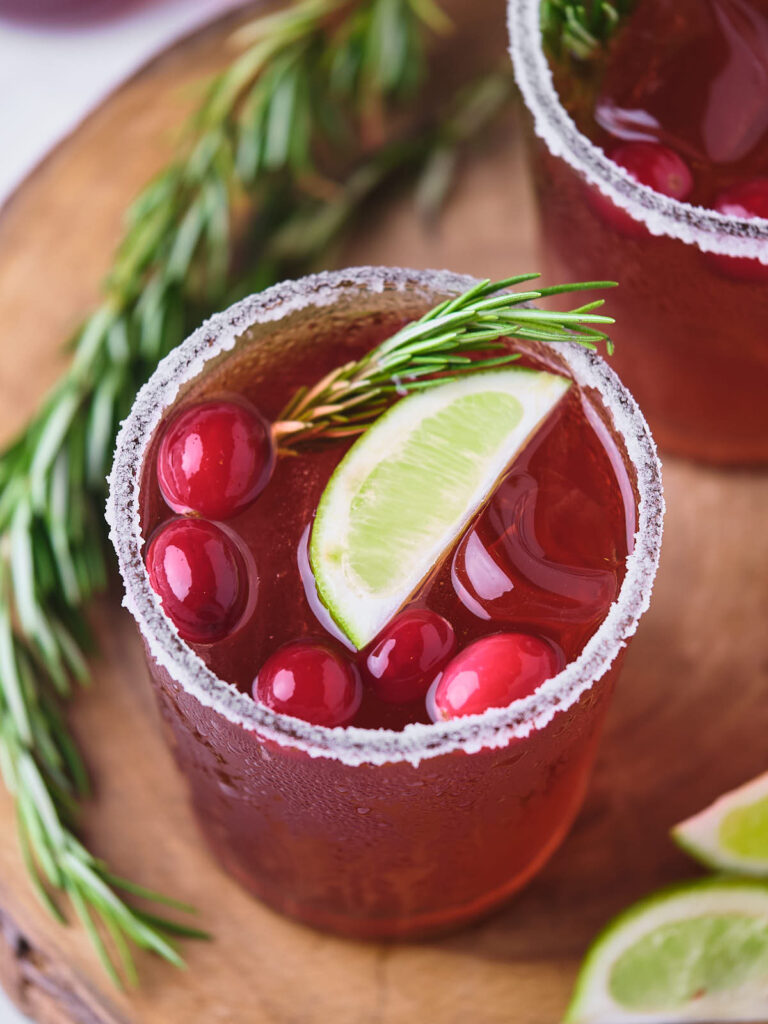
(423, 353)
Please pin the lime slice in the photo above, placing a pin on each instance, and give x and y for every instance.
(410, 484)
(698, 952)
(731, 834)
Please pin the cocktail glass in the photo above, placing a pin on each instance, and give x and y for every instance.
(375, 833)
(691, 340)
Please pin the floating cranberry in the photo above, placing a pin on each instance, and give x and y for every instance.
(310, 680)
(651, 164)
(201, 578)
(656, 166)
(491, 673)
(406, 656)
(749, 199)
(214, 459)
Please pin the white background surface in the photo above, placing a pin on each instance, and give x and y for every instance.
(51, 75)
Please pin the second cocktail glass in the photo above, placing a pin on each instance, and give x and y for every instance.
(691, 340)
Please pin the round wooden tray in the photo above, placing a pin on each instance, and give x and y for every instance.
(689, 719)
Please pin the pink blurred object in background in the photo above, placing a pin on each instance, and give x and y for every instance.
(64, 10)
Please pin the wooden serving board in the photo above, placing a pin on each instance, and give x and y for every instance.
(689, 719)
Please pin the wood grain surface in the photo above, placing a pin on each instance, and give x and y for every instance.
(689, 719)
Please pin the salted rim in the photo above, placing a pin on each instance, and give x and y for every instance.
(709, 230)
(353, 745)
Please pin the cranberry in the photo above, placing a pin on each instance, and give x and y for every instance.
(201, 578)
(403, 662)
(214, 459)
(491, 673)
(309, 680)
(749, 199)
(651, 164)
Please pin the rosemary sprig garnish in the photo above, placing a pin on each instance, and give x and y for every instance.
(439, 345)
(312, 80)
(580, 29)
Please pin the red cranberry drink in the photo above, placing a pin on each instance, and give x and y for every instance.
(385, 546)
(652, 160)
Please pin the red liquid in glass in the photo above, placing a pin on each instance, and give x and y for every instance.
(693, 77)
(546, 555)
(400, 849)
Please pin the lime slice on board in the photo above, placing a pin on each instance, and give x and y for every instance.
(412, 482)
(698, 952)
(731, 834)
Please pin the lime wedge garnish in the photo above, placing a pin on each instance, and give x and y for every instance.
(411, 483)
(698, 952)
(731, 834)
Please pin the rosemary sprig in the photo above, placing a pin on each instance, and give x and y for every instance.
(310, 79)
(456, 337)
(580, 29)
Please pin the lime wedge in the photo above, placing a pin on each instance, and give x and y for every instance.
(698, 952)
(411, 483)
(731, 834)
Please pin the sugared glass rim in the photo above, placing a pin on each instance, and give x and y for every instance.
(353, 745)
(709, 230)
